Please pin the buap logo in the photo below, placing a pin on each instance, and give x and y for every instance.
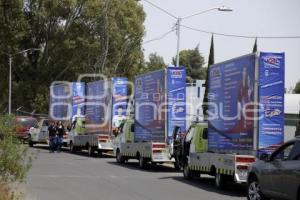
(272, 62)
(176, 73)
(215, 73)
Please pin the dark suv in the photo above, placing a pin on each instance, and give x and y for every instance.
(276, 176)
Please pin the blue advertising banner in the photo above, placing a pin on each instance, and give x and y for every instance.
(231, 95)
(176, 78)
(98, 106)
(60, 102)
(119, 104)
(149, 107)
(271, 99)
(78, 99)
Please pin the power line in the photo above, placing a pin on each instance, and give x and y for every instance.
(160, 37)
(240, 36)
(161, 9)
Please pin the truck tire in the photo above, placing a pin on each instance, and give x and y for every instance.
(142, 162)
(187, 173)
(30, 142)
(220, 180)
(120, 159)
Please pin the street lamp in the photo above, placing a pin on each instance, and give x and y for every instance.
(10, 79)
(178, 24)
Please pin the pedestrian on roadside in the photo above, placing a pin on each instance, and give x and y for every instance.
(52, 137)
(60, 130)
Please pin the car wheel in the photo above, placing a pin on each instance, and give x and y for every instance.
(254, 191)
(220, 180)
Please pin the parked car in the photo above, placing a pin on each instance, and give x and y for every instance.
(23, 124)
(276, 176)
(39, 133)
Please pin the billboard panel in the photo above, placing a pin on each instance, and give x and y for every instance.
(176, 98)
(149, 106)
(60, 102)
(78, 99)
(271, 98)
(231, 92)
(119, 101)
(98, 107)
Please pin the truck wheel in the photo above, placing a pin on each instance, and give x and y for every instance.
(91, 151)
(187, 173)
(220, 180)
(142, 162)
(30, 143)
(120, 159)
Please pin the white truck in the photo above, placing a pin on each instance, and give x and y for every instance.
(39, 133)
(105, 108)
(242, 93)
(159, 105)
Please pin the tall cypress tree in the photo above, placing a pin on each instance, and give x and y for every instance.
(211, 61)
(255, 46)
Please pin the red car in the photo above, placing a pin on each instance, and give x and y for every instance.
(23, 124)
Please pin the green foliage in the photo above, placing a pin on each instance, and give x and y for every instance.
(193, 61)
(155, 62)
(14, 158)
(297, 88)
(211, 61)
(15, 161)
(75, 37)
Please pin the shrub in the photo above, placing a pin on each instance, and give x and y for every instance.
(15, 160)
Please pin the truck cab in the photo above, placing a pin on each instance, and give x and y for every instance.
(194, 141)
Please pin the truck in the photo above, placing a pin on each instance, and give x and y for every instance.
(105, 108)
(158, 106)
(245, 119)
(67, 101)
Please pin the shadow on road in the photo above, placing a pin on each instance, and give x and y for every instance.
(208, 184)
(45, 149)
(157, 168)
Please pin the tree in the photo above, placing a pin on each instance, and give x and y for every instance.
(75, 37)
(193, 61)
(297, 88)
(155, 62)
(211, 61)
(255, 46)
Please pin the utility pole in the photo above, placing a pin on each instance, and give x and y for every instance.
(9, 86)
(178, 40)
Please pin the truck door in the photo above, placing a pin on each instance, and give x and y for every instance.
(200, 139)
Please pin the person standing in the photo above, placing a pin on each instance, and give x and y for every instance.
(52, 137)
(60, 130)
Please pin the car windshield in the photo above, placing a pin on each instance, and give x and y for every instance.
(29, 122)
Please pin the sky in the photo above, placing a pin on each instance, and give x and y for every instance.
(249, 17)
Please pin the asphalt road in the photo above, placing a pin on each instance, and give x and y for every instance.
(66, 176)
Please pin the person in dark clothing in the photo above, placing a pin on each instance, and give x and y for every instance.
(52, 137)
(60, 130)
